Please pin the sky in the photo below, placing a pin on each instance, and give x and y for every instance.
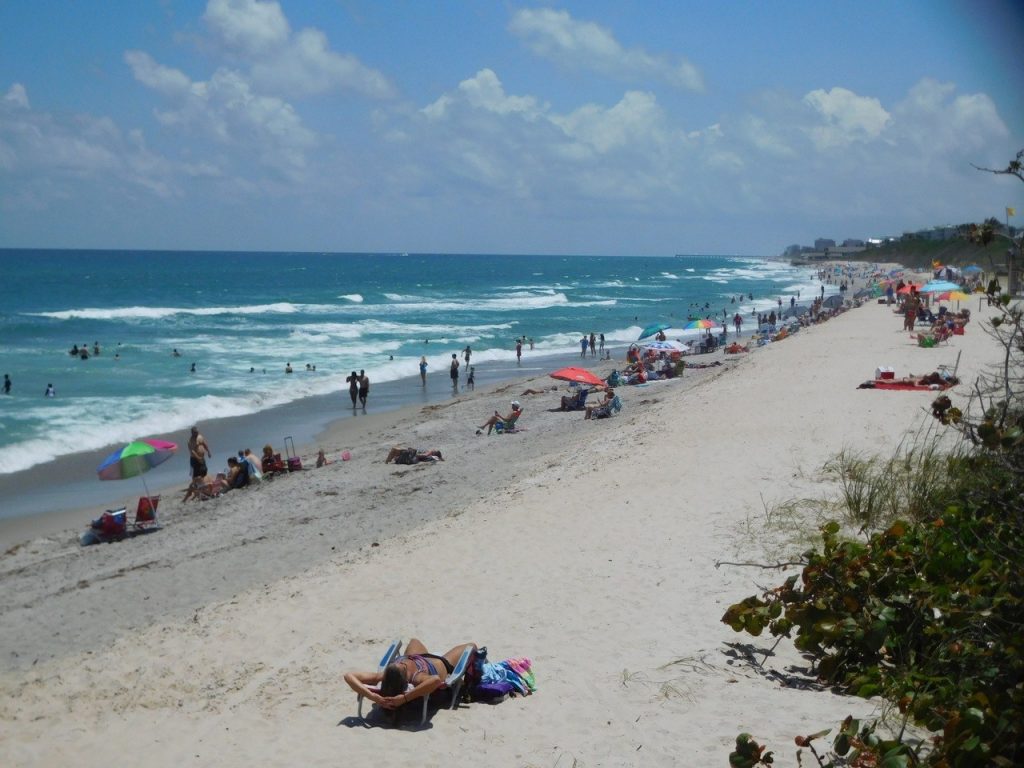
(612, 127)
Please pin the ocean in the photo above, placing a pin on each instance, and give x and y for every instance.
(240, 318)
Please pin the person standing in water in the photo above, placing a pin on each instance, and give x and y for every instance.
(353, 387)
(423, 370)
(364, 388)
(453, 371)
(7, 384)
(50, 391)
(519, 351)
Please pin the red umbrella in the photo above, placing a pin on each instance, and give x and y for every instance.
(580, 375)
(907, 288)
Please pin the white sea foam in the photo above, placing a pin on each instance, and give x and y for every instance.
(670, 276)
(353, 297)
(156, 313)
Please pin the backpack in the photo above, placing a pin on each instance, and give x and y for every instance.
(474, 674)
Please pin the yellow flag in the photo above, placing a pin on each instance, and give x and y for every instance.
(1011, 211)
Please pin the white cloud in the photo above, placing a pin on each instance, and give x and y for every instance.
(252, 27)
(171, 82)
(16, 96)
(226, 109)
(485, 91)
(634, 122)
(935, 119)
(577, 44)
(847, 117)
(47, 157)
(288, 64)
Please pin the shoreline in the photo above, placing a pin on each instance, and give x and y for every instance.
(31, 493)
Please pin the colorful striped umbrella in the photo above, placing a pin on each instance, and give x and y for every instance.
(695, 325)
(134, 459)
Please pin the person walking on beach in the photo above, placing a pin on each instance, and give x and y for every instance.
(583, 346)
(738, 322)
(466, 354)
(471, 378)
(364, 388)
(593, 345)
(7, 384)
(353, 387)
(600, 342)
(423, 370)
(453, 371)
(198, 450)
(519, 351)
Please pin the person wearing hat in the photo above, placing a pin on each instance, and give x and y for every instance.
(505, 421)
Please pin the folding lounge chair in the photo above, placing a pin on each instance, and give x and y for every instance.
(145, 514)
(452, 683)
(508, 425)
(607, 410)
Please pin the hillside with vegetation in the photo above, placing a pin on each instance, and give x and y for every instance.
(921, 254)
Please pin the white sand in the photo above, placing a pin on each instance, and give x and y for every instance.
(589, 547)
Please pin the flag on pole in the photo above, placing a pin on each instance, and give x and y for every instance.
(1011, 211)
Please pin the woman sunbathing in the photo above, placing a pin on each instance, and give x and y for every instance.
(425, 672)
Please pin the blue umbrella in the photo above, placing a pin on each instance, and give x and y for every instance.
(938, 286)
(972, 269)
(650, 330)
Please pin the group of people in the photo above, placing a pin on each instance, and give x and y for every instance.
(82, 352)
(358, 388)
(243, 469)
(595, 343)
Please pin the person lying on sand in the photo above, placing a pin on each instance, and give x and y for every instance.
(538, 391)
(424, 671)
(401, 455)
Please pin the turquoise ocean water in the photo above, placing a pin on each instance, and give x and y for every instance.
(232, 312)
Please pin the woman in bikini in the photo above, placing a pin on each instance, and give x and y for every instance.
(425, 672)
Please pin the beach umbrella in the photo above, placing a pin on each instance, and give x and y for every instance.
(974, 268)
(134, 459)
(664, 346)
(938, 286)
(652, 329)
(700, 325)
(909, 287)
(579, 375)
(952, 296)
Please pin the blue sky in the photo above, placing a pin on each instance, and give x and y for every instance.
(595, 127)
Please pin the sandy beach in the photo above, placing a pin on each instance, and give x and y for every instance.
(588, 546)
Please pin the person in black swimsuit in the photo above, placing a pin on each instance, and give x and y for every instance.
(424, 671)
(353, 387)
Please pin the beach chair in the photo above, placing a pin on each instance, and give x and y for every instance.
(578, 401)
(508, 426)
(389, 656)
(605, 411)
(452, 683)
(145, 514)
